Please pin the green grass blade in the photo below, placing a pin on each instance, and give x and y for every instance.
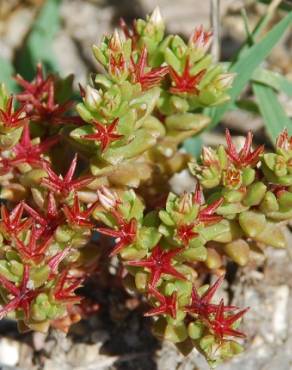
(6, 73)
(247, 64)
(271, 110)
(251, 36)
(38, 46)
(285, 5)
(273, 79)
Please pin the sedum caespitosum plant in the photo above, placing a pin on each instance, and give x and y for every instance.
(67, 182)
(148, 101)
(44, 222)
(254, 199)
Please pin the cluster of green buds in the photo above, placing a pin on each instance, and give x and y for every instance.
(235, 207)
(45, 252)
(163, 252)
(148, 101)
(45, 225)
(255, 201)
(32, 130)
(277, 169)
(277, 166)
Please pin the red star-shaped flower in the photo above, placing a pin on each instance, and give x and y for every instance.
(11, 119)
(64, 186)
(37, 89)
(12, 224)
(206, 215)
(246, 156)
(49, 220)
(185, 83)
(26, 152)
(34, 249)
(147, 79)
(22, 294)
(186, 233)
(159, 263)
(39, 102)
(104, 134)
(77, 217)
(222, 323)
(48, 110)
(5, 166)
(168, 304)
(201, 305)
(125, 236)
(65, 287)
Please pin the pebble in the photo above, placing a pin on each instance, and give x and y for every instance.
(38, 340)
(9, 352)
(72, 64)
(89, 26)
(181, 182)
(17, 26)
(279, 321)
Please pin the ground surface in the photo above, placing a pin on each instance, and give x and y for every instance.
(120, 339)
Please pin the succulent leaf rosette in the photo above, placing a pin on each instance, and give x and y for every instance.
(150, 98)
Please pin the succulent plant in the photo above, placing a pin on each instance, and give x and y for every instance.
(66, 179)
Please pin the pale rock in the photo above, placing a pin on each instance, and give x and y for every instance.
(9, 352)
(280, 319)
(181, 182)
(17, 26)
(63, 45)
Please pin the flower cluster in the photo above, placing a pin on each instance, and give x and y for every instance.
(235, 204)
(145, 101)
(254, 197)
(40, 235)
(163, 252)
(40, 241)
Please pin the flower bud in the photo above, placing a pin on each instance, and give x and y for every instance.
(115, 43)
(108, 198)
(92, 98)
(225, 80)
(200, 40)
(232, 178)
(156, 17)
